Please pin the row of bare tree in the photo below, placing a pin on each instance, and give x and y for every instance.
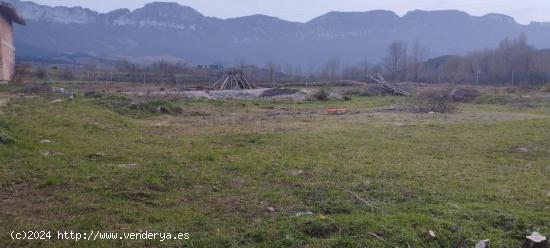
(123, 71)
(513, 62)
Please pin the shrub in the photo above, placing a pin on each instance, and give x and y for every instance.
(6, 139)
(375, 90)
(344, 243)
(518, 90)
(279, 92)
(41, 73)
(322, 94)
(545, 88)
(157, 107)
(93, 94)
(117, 103)
(67, 74)
(126, 106)
(4, 124)
(319, 228)
(34, 89)
(21, 73)
(466, 95)
(203, 156)
(430, 102)
(495, 98)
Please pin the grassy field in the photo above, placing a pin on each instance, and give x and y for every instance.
(274, 174)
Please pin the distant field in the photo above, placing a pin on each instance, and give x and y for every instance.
(275, 174)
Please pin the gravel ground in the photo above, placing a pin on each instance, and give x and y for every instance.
(255, 94)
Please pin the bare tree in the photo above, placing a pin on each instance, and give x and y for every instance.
(289, 71)
(418, 56)
(455, 70)
(541, 66)
(125, 66)
(511, 60)
(365, 67)
(21, 71)
(331, 70)
(480, 64)
(357, 72)
(272, 71)
(250, 71)
(299, 72)
(396, 60)
(41, 73)
(66, 74)
(91, 68)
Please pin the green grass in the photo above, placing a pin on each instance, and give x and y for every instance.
(214, 175)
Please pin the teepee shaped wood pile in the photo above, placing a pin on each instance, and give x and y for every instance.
(234, 80)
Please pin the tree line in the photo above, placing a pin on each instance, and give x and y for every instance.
(512, 62)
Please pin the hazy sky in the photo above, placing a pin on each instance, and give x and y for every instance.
(303, 10)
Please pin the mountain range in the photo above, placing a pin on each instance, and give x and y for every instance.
(170, 31)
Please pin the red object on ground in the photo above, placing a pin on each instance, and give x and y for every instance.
(336, 110)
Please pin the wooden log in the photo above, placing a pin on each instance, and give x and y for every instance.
(389, 87)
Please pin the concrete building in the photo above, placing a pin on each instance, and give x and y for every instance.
(8, 16)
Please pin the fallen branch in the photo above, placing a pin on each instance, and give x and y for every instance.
(380, 238)
(361, 199)
(395, 90)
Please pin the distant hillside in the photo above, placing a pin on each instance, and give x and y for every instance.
(175, 31)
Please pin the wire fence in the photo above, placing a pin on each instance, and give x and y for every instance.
(143, 77)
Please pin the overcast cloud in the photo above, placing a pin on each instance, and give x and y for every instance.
(524, 11)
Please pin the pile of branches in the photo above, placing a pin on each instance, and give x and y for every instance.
(234, 80)
(389, 87)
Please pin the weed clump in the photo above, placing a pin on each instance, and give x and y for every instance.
(125, 106)
(157, 107)
(5, 138)
(319, 228)
(93, 94)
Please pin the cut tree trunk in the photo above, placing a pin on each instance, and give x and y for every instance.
(389, 87)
